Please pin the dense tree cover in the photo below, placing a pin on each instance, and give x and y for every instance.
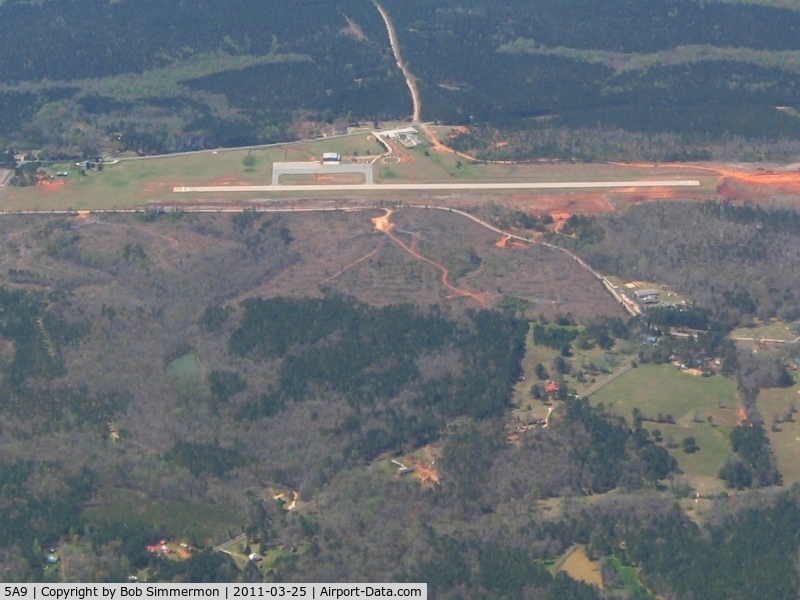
(584, 229)
(120, 37)
(494, 571)
(368, 356)
(737, 261)
(692, 317)
(224, 384)
(742, 558)
(614, 26)
(31, 324)
(161, 78)
(545, 140)
(204, 458)
(34, 511)
(605, 459)
(554, 336)
(750, 442)
(309, 61)
(417, 374)
(499, 64)
(524, 220)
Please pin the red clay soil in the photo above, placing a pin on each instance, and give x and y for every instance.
(584, 203)
(52, 185)
(742, 185)
(386, 226)
(507, 243)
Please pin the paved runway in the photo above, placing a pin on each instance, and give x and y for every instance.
(429, 187)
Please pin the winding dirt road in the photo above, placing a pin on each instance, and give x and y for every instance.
(385, 225)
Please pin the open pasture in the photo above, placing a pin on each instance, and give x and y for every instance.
(768, 330)
(702, 407)
(777, 406)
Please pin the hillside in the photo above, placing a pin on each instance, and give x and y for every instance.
(678, 80)
(133, 354)
(187, 377)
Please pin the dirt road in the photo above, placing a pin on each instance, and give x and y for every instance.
(410, 80)
(604, 382)
(384, 224)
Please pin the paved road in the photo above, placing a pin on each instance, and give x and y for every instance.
(395, 187)
(223, 547)
(739, 339)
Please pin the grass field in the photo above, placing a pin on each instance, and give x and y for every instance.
(777, 402)
(690, 400)
(534, 354)
(205, 524)
(131, 183)
(630, 578)
(774, 330)
(134, 182)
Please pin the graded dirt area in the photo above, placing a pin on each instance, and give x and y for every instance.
(549, 280)
(578, 566)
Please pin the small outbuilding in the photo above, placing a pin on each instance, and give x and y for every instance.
(331, 158)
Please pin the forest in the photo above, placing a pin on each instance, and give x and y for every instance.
(154, 77)
(145, 399)
(738, 261)
(677, 80)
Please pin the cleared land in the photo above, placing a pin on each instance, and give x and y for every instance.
(281, 170)
(690, 400)
(579, 566)
(548, 280)
(452, 179)
(773, 330)
(134, 182)
(604, 364)
(203, 523)
(141, 181)
(784, 437)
